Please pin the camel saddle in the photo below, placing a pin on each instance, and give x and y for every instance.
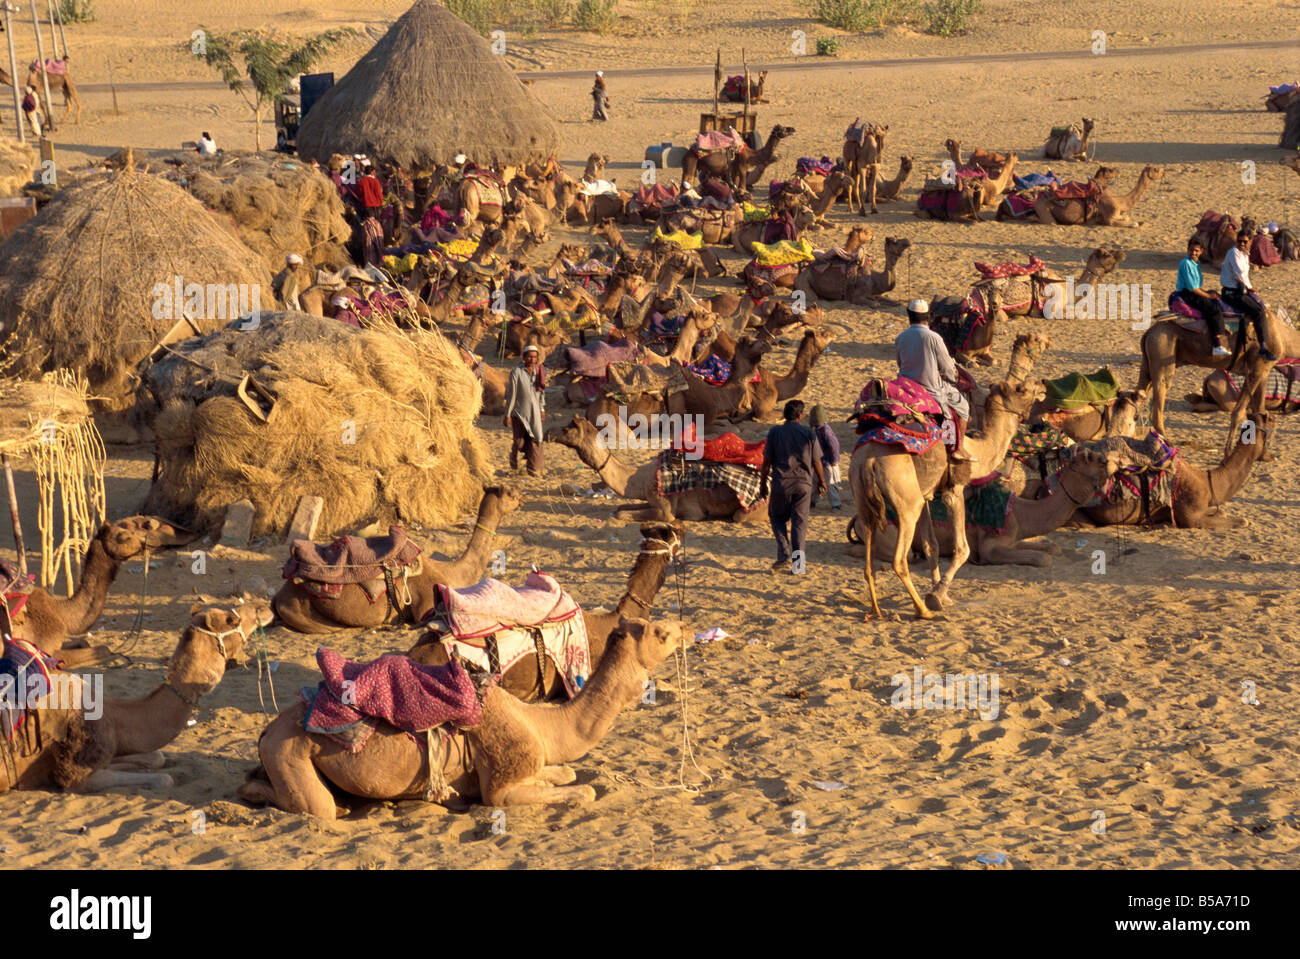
(1074, 391)
(838, 256)
(55, 68)
(489, 190)
(1282, 385)
(490, 606)
(633, 379)
(1190, 318)
(858, 132)
(352, 559)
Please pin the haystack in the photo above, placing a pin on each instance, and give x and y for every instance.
(429, 89)
(378, 422)
(17, 163)
(276, 205)
(81, 280)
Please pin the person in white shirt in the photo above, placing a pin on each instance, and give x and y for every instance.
(923, 358)
(207, 147)
(1237, 291)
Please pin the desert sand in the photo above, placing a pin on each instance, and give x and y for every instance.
(1121, 694)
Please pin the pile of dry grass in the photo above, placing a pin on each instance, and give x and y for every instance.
(379, 422)
(17, 162)
(79, 282)
(278, 205)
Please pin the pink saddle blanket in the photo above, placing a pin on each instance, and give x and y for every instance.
(350, 559)
(490, 605)
(718, 140)
(906, 398)
(57, 68)
(991, 271)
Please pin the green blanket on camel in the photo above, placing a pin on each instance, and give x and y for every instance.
(1076, 390)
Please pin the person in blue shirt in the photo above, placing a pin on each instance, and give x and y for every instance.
(1191, 289)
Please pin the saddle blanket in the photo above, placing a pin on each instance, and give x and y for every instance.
(634, 379)
(489, 193)
(715, 140)
(21, 662)
(807, 165)
(956, 320)
(904, 399)
(350, 559)
(594, 360)
(56, 68)
(754, 214)
(988, 506)
(934, 201)
(490, 605)
(597, 187)
(783, 253)
(655, 195)
(1077, 390)
(1281, 384)
(735, 85)
(713, 369)
(394, 689)
(989, 271)
(687, 241)
(1021, 203)
(915, 438)
(730, 448)
(1032, 181)
(678, 475)
(1075, 190)
(565, 643)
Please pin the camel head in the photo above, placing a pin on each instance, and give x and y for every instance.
(780, 132)
(1025, 353)
(905, 165)
(1105, 174)
(1014, 396)
(1124, 412)
(896, 246)
(752, 349)
(1153, 172)
(863, 234)
(1097, 465)
(664, 536)
(215, 638)
(509, 498)
(653, 641)
(596, 166)
(579, 433)
(1088, 125)
(1102, 260)
(132, 536)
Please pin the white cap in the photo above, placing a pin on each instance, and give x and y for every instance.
(918, 306)
(532, 348)
(459, 158)
(293, 259)
(600, 73)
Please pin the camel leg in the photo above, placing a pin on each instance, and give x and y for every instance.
(557, 775)
(929, 544)
(955, 500)
(539, 792)
(136, 761)
(1043, 210)
(908, 516)
(871, 187)
(1001, 554)
(294, 610)
(102, 779)
(76, 658)
(257, 792)
(1252, 395)
(1160, 382)
(285, 751)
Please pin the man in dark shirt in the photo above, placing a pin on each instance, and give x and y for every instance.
(791, 453)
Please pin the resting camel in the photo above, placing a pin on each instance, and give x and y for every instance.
(771, 390)
(888, 190)
(595, 168)
(716, 226)
(661, 545)
(993, 188)
(67, 749)
(862, 163)
(305, 612)
(492, 379)
(780, 318)
(747, 234)
(511, 758)
(883, 473)
(641, 484)
(1118, 418)
(471, 196)
(49, 621)
(1082, 479)
(1197, 494)
(1099, 265)
(1218, 394)
(842, 281)
(1110, 210)
(58, 81)
(1071, 145)
(755, 90)
(736, 170)
(1168, 344)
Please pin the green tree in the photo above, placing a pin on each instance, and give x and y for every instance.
(269, 62)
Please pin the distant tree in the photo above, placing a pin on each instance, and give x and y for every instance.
(270, 61)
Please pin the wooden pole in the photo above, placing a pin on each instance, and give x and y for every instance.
(45, 77)
(13, 70)
(13, 514)
(113, 84)
(744, 61)
(717, 83)
(56, 19)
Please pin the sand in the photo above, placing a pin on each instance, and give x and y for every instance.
(1121, 694)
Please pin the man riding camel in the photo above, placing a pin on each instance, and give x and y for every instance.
(923, 358)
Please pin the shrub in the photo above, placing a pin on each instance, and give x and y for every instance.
(553, 13)
(77, 11)
(949, 17)
(477, 13)
(859, 15)
(828, 46)
(594, 15)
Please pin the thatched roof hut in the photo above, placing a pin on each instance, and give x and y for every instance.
(429, 89)
(89, 284)
(378, 422)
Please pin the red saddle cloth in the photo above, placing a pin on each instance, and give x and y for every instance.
(728, 448)
(1074, 190)
(350, 559)
(989, 271)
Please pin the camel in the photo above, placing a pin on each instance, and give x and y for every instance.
(1099, 265)
(755, 90)
(75, 751)
(833, 184)
(492, 379)
(641, 483)
(780, 318)
(58, 81)
(1217, 394)
(49, 621)
(747, 234)
(953, 146)
(471, 196)
(992, 189)
(1168, 344)
(304, 612)
(888, 190)
(589, 209)
(742, 170)
(881, 473)
(771, 390)
(1118, 418)
(1197, 494)
(862, 163)
(1082, 479)
(841, 281)
(1071, 144)
(978, 347)
(595, 169)
(661, 545)
(716, 226)
(510, 758)
(1110, 210)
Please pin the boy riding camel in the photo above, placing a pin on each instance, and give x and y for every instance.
(923, 358)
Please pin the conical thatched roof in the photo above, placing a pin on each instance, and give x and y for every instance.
(79, 283)
(429, 89)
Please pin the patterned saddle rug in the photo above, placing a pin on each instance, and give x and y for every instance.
(679, 475)
(368, 561)
(490, 606)
(487, 191)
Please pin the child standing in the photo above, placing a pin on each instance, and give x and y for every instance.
(829, 445)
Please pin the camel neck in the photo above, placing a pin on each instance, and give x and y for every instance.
(98, 571)
(143, 725)
(479, 546)
(990, 449)
(1230, 476)
(612, 470)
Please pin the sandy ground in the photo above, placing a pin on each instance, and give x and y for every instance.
(1120, 693)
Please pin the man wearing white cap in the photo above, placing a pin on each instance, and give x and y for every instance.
(600, 101)
(526, 409)
(923, 358)
(291, 281)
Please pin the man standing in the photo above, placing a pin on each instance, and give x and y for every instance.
(1192, 292)
(370, 190)
(1235, 280)
(923, 358)
(599, 99)
(525, 410)
(792, 454)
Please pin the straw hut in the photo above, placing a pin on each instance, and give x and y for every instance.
(429, 89)
(377, 422)
(91, 283)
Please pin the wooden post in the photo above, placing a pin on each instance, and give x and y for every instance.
(13, 514)
(56, 20)
(717, 83)
(744, 61)
(45, 77)
(13, 70)
(113, 84)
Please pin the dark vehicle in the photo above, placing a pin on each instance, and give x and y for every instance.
(292, 107)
